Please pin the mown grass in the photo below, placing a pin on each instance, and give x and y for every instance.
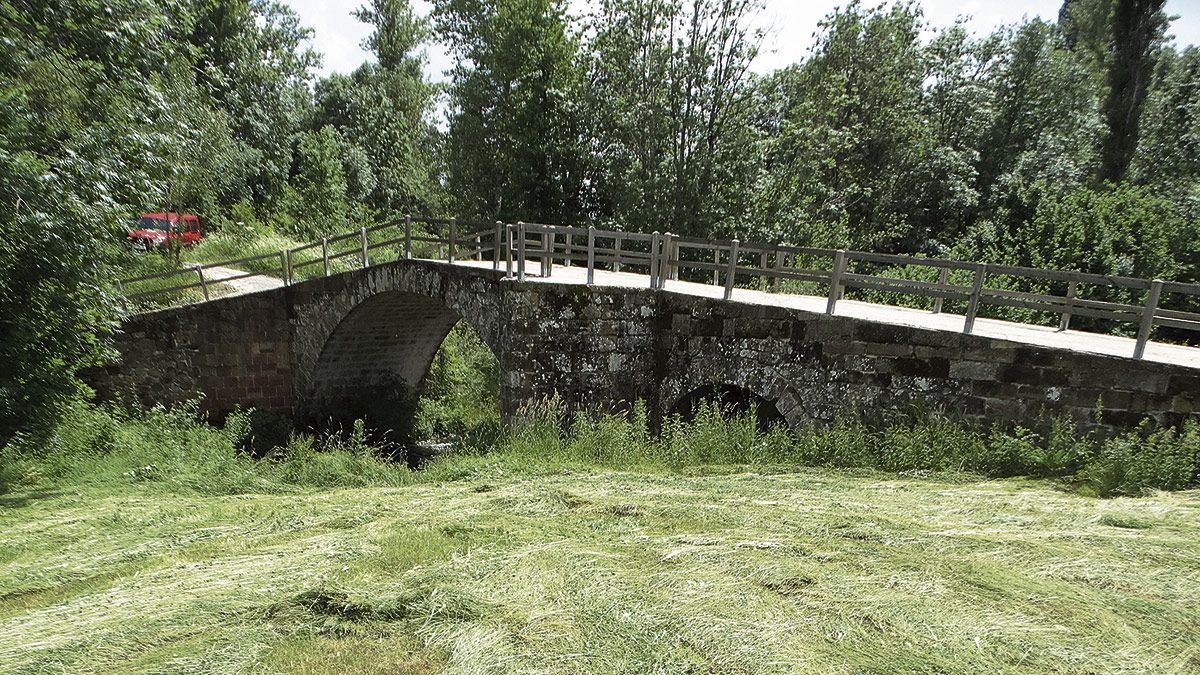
(153, 544)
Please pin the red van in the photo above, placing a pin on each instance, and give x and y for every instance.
(154, 229)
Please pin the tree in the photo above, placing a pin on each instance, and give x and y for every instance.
(1168, 152)
(516, 149)
(382, 112)
(1138, 30)
(1046, 126)
(251, 59)
(318, 203)
(671, 96)
(874, 143)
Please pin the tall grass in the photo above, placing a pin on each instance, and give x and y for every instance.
(177, 450)
(1133, 462)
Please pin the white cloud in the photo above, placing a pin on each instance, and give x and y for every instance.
(790, 25)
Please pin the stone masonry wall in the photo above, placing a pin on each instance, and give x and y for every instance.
(233, 352)
(602, 348)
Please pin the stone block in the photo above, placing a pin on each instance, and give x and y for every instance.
(935, 367)
(883, 333)
(889, 349)
(975, 370)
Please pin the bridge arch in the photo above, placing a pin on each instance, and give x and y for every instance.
(365, 349)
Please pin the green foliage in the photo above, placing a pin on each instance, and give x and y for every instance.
(382, 114)
(1164, 459)
(175, 449)
(516, 146)
(459, 397)
(1134, 462)
(317, 201)
(668, 94)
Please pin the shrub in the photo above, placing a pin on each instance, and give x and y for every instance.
(1130, 464)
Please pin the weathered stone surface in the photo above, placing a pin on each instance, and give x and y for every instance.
(300, 349)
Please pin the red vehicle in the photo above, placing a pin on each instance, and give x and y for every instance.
(154, 230)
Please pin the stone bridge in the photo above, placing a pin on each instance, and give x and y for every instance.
(337, 345)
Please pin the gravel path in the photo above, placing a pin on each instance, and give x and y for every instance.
(219, 288)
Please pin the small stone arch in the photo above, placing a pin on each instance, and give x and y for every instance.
(732, 400)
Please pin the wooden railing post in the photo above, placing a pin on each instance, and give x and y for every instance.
(835, 280)
(478, 248)
(654, 259)
(567, 260)
(617, 253)
(497, 239)
(325, 253)
(673, 259)
(973, 303)
(665, 265)
(508, 251)
(716, 272)
(780, 262)
(283, 266)
(520, 251)
(762, 263)
(1065, 322)
(731, 272)
(290, 272)
(408, 237)
(203, 286)
(362, 232)
(1147, 324)
(943, 278)
(453, 235)
(591, 255)
(547, 252)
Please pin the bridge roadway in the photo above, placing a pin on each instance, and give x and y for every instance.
(1041, 336)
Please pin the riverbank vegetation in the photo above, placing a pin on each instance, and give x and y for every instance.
(102, 445)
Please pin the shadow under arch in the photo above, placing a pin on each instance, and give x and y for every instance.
(733, 401)
(374, 363)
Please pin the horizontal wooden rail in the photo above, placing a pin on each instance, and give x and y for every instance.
(664, 256)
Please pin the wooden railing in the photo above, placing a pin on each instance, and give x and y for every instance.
(666, 257)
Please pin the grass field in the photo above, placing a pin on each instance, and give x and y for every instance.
(491, 569)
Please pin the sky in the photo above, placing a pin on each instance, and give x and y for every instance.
(790, 25)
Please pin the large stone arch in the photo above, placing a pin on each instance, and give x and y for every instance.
(375, 336)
